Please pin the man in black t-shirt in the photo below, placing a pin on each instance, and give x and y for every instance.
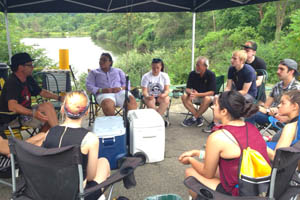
(16, 97)
(200, 88)
(257, 63)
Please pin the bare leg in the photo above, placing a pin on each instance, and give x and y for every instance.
(206, 101)
(187, 102)
(4, 149)
(163, 104)
(132, 105)
(48, 109)
(103, 170)
(150, 103)
(211, 183)
(108, 107)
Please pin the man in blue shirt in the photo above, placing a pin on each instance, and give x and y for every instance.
(241, 76)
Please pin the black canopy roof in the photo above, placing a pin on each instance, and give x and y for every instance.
(119, 6)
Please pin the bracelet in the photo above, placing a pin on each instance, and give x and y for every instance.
(201, 154)
(121, 88)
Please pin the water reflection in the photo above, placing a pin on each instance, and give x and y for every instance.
(83, 52)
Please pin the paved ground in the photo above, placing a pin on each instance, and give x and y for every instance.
(164, 177)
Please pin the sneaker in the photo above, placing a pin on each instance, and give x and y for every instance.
(209, 128)
(102, 197)
(199, 121)
(167, 123)
(188, 122)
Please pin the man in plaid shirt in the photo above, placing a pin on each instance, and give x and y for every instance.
(287, 72)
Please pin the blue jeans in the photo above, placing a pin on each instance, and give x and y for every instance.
(259, 118)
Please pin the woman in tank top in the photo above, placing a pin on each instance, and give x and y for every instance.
(222, 148)
(289, 110)
(70, 132)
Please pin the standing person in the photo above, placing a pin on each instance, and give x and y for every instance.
(286, 72)
(257, 63)
(16, 97)
(155, 87)
(200, 88)
(108, 84)
(289, 107)
(220, 168)
(75, 107)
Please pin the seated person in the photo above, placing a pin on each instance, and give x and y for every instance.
(290, 107)
(222, 153)
(108, 84)
(241, 76)
(16, 97)
(75, 107)
(200, 88)
(155, 87)
(257, 63)
(286, 72)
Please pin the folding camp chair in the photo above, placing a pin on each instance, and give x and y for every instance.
(284, 183)
(261, 90)
(55, 174)
(219, 88)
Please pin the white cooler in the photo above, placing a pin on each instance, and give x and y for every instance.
(147, 134)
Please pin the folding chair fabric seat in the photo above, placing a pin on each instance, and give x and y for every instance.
(282, 176)
(55, 174)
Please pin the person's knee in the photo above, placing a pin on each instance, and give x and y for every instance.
(184, 98)
(132, 102)
(46, 106)
(189, 172)
(207, 100)
(108, 107)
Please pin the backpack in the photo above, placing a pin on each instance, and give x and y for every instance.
(254, 172)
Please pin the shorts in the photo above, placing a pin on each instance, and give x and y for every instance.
(199, 100)
(94, 195)
(117, 98)
(222, 190)
(27, 120)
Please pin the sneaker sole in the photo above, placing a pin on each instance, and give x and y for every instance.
(182, 124)
(199, 125)
(206, 131)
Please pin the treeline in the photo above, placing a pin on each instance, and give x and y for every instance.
(139, 37)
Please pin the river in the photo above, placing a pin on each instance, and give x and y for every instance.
(84, 54)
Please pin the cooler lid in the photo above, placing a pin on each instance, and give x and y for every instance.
(145, 118)
(109, 126)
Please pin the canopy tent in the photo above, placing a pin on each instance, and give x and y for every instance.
(118, 6)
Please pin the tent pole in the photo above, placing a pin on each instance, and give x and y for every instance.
(7, 37)
(193, 40)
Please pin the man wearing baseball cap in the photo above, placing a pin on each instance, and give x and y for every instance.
(287, 72)
(16, 97)
(257, 63)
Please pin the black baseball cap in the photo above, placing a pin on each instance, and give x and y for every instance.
(251, 45)
(20, 59)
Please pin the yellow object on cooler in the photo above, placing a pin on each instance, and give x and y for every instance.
(64, 59)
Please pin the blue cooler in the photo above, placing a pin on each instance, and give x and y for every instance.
(112, 137)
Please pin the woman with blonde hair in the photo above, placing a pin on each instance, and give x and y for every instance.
(70, 132)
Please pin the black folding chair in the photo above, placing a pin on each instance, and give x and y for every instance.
(56, 174)
(284, 185)
(262, 87)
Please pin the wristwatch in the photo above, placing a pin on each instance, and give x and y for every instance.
(267, 111)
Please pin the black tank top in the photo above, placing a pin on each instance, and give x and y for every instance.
(72, 136)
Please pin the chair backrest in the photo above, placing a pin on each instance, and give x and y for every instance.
(284, 166)
(220, 84)
(264, 73)
(48, 173)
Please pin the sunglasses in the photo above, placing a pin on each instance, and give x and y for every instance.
(156, 60)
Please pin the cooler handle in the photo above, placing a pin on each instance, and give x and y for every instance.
(107, 141)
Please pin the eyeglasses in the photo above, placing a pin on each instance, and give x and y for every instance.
(156, 60)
